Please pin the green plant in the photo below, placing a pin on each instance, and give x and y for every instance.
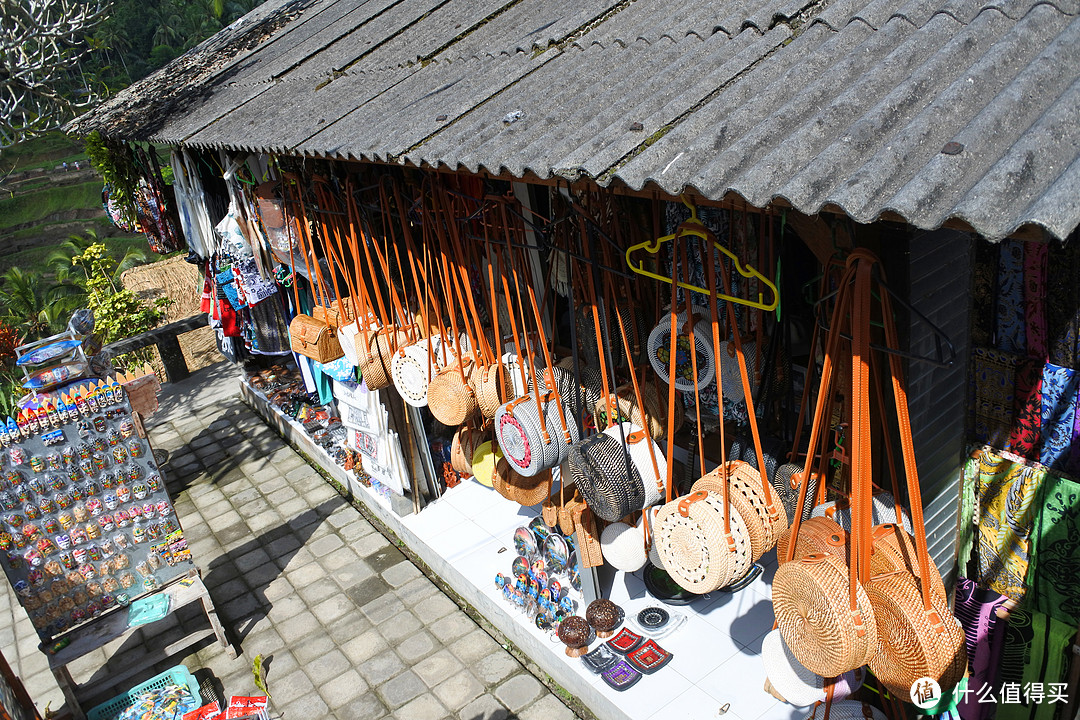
(118, 312)
(113, 161)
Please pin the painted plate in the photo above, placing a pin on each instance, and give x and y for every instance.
(556, 553)
(525, 542)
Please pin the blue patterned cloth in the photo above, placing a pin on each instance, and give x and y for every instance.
(1010, 332)
(1058, 413)
(340, 369)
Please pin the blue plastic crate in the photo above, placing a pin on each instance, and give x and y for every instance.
(178, 675)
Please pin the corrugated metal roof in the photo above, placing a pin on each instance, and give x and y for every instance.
(847, 104)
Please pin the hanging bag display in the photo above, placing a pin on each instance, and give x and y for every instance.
(701, 539)
(308, 336)
(533, 430)
(921, 637)
(821, 606)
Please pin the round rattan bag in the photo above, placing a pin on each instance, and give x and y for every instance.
(523, 490)
(451, 399)
(463, 447)
(490, 394)
(752, 501)
(606, 477)
(659, 350)
(375, 360)
(794, 682)
(914, 643)
(655, 413)
(520, 434)
(894, 549)
(689, 535)
(811, 603)
(816, 535)
(412, 370)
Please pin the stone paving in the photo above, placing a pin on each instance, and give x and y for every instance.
(349, 627)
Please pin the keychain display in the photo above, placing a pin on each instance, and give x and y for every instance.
(83, 503)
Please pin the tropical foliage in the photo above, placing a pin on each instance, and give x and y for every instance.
(35, 305)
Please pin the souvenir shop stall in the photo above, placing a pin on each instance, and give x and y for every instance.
(1021, 483)
(90, 542)
(657, 443)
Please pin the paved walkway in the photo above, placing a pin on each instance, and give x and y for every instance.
(350, 628)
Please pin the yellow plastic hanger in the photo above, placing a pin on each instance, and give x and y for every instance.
(694, 227)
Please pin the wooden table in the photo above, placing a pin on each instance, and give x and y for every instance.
(86, 638)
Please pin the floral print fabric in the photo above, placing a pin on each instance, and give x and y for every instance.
(993, 381)
(1011, 335)
(1006, 492)
(1027, 425)
(1058, 414)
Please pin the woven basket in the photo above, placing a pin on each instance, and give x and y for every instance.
(624, 546)
(626, 408)
(659, 347)
(848, 710)
(894, 550)
(751, 500)
(729, 372)
(810, 600)
(489, 394)
(518, 431)
(913, 643)
(526, 491)
(462, 448)
(794, 682)
(409, 369)
(694, 548)
(375, 360)
(816, 535)
(452, 400)
(314, 339)
(607, 478)
(786, 483)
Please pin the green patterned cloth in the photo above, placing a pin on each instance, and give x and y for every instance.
(1034, 652)
(1055, 552)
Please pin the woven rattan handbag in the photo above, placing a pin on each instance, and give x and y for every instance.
(463, 447)
(746, 497)
(816, 535)
(811, 602)
(615, 473)
(523, 490)
(534, 434)
(795, 683)
(696, 551)
(894, 550)
(314, 339)
(660, 352)
(451, 397)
